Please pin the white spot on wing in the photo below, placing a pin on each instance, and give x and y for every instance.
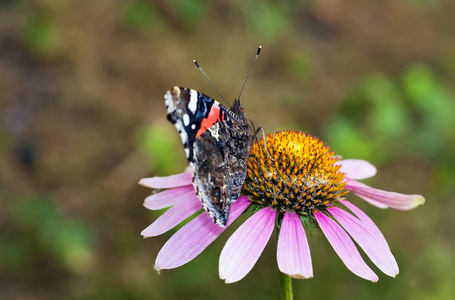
(192, 106)
(214, 131)
(168, 101)
(193, 126)
(186, 119)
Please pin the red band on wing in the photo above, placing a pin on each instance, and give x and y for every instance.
(212, 118)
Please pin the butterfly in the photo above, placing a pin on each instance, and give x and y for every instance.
(217, 142)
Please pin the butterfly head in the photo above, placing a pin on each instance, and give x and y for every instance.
(237, 108)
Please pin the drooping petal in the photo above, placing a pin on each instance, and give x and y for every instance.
(344, 247)
(384, 198)
(365, 220)
(293, 252)
(357, 168)
(194, 237)
(173, 217)
(169, 197)
(244, 247)
(168, 181)
(374, 247)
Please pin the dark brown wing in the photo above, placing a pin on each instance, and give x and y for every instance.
(221, 153)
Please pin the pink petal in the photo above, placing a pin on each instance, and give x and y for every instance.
(194, 237)
(357, 168)
(168, 181)
(374, 247)
(173, 216)
(365, 220)
(169, 197)
(293, 252)
(244, 247)
(384, 198)
(344, 247)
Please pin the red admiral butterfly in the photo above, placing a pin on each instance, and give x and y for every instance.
(217, 143)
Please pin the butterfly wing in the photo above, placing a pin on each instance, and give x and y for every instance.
(220, 167)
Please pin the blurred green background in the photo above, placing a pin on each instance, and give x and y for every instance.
(83, 119)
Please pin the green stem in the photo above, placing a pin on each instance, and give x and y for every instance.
(286, 287)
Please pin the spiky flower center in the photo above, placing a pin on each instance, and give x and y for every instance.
(296, 173)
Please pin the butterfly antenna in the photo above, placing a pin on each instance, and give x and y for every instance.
(206, 77)
(251, 70)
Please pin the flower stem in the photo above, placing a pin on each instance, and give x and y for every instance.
(286, 287)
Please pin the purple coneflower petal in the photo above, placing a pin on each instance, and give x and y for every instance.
(243, 248)
(293, 252)
(357, 168)
(168, 181)
(375, 247)
(344, 247)
(365, 220)
(173, 217)
(382, 198)
(169, 197)
(194, 237)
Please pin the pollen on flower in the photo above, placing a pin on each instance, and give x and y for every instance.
(296, 173)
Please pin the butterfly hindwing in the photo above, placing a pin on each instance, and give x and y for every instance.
(217, 143)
